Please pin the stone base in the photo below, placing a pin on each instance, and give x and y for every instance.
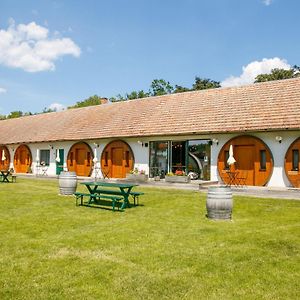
(137, 177)
(177, 179)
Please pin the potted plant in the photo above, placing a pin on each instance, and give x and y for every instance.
(178, 177)
(137, 175)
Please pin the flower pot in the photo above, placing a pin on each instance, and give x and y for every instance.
(137, 177)
(177, 179)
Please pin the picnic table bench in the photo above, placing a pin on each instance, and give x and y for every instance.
(96, 198)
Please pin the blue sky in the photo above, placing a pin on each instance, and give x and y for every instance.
(60, 52)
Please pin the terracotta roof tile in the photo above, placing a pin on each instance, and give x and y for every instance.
(265, 106)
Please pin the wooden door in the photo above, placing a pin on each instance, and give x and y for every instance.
(80, 159)
(117, 162)
(80, 155)
(244, 156)
(253, 160)
(117, 159)
(22, 159)
(4, 160)
(60, 164)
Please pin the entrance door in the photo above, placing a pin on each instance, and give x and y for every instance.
(244, 156)
(117, 159)
(22, 159)
(117, 162)
(80, 161)
(60, 164)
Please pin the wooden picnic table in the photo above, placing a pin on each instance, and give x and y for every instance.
(110, 188)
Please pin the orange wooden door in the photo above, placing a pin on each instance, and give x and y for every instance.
(253, 160)
(244, 156)
(22, 159)
(80, 161)
(117, 159)
(117, 162)
(4, 161)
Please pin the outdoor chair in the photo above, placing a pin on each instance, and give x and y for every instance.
(242, 178)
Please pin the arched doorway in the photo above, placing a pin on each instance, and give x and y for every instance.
(22, 160)
(80, 159)
(4, 158)
(253, 160)
(117, 159)
(291, 163)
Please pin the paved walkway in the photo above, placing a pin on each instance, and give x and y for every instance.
(198, 185)
(251, 191)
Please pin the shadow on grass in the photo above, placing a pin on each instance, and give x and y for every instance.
(107, 205)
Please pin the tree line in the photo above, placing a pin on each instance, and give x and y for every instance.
(161, 87)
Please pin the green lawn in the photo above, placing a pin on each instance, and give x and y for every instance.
(163, 249)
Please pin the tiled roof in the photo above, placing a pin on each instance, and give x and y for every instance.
(273, 105)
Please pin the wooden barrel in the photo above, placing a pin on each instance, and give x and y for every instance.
(67, 183)
(219, 203)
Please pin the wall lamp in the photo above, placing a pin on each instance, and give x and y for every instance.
(278, 138)
(215, 141)
(141, 143)
(96, 145)
(51, 146)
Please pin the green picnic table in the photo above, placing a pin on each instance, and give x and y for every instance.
(109, 188)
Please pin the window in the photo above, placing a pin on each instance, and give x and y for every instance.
(226, 156)
(106, 158)
(88, 159)
(263, 160)
(158, 158)
(45, 157)
(127, 159)
(199, 159)
(179, 158)
(295, 157)
(71, 159)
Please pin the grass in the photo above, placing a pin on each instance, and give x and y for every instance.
(163, 249)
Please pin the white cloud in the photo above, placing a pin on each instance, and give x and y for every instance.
(2, 90)
(29, 47)
(255, 68)
(267, 2)
(57, 106)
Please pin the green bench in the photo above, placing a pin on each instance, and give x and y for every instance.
(113, 198)
(135, 195)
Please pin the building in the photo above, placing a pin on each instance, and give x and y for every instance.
(190, 131)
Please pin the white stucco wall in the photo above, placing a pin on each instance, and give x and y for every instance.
(141, 152)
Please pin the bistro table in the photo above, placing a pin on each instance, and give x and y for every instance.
(96, 187)
(4, 175)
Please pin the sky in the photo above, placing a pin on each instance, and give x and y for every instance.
(55, 53)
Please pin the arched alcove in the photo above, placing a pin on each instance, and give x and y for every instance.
(253, 159)
(80, 159)
(117, 159)
(292, 164)
(22, 159)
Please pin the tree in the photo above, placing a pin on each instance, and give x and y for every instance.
(278, 74)
(15, 114)
(2, 117)
(136, 95)
(160, 87)
(180, 89)
(205, 83)
(93, 100)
